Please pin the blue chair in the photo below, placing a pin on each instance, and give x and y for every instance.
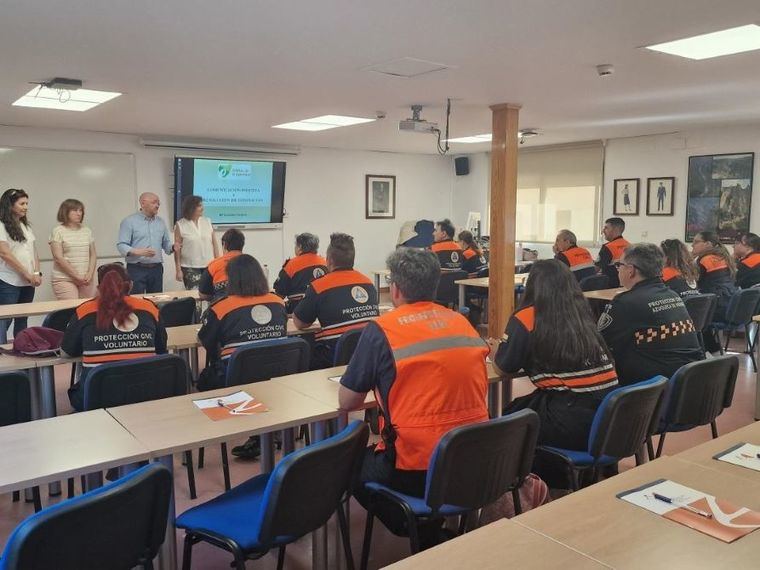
(275, 509)
(624, 420)
(121, 525)
(471, 467)
(696, 395)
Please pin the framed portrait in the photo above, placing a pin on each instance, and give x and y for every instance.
(380, 196)
(626, 197)
(719, 194)
(660, 196)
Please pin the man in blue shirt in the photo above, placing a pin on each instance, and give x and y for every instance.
(142, 238)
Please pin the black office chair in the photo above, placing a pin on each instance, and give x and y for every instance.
(59, 320)
(595, 282)
(344, 348)
(624, 420)
(695, 396)
(741, 309)
(178, 312)
(16, 408)
(448, 291)
(275, 509)
(120, 525)
(471, 467)
(701, 310)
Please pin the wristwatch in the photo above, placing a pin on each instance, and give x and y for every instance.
(39, 273)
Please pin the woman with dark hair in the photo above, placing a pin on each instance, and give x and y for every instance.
(474, 260)
(680, 273)
(74, 255)
(112, 327)
(19, 265)
(747, 252)
(554, 338)
(716, 272)
(248, 313)
(196, 242)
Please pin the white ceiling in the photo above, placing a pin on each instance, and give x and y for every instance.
(231, 69)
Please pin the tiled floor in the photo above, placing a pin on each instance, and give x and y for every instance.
(386, 548)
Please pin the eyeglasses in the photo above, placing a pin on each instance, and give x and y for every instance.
(619, 264)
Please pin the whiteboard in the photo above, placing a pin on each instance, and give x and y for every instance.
(104, 181)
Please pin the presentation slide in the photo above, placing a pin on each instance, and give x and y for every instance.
(234, 192)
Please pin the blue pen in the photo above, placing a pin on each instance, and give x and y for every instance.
(689, 508)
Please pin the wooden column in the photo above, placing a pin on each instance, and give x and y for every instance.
(501, 290)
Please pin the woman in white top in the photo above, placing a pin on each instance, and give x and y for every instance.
(195, 241)
(74, 256)
(19, 265)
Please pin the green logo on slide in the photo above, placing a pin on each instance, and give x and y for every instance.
(224, 170)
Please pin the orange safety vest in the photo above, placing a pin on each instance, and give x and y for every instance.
(751, 261)
(712, 262)
(616, 247)
(578, 258)
(669, 273)
(218, 269)
(440, 382)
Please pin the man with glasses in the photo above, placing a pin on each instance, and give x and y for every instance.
(647, 328)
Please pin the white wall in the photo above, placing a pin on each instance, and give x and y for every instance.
(472, 192)
(324, 193)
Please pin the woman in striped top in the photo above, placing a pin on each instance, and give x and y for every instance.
(554, 339)
(74, 255)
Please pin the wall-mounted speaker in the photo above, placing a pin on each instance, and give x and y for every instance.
(462, 165)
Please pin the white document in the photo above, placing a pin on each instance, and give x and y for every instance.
(743, 455)
(239, 403)
(644, 497)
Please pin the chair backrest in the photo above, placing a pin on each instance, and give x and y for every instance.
(15, 399)
(595, 282)
(484, 272)
(133, 381)
(699, 391)
(625, 418)
(701, 308)
(448, 291)
(474, 465)
(267, 359)
(120, 525)
(742, 306)
(178, 312)
(58, 320)
(307, 485)
(346, 345)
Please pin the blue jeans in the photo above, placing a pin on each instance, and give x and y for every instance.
(10, 295)
(146, 278)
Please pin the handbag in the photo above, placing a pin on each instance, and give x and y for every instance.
(36, 341)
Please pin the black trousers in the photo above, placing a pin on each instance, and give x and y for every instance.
(146, 278)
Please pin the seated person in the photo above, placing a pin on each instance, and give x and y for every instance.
(213, 283)
(680, 272)
(553, 338)
(248, 313)
(445, 248)
(647, 328)
(473, 259)
(611, 252)
(578, 259)
(747, 252)
(297, 272)
(426, 366)
(342, 300)
(104, 329)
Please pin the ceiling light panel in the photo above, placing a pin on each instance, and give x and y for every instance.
(323, 123)
(715, 44)
(63, 99)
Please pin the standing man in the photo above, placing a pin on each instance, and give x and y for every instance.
(661, 197)
(578, 259)
(448, 252)
(612, 251)
(142, 238)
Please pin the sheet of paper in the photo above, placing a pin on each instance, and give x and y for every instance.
(743, 455)
(225, 407)
(726, 521)
(334, 378)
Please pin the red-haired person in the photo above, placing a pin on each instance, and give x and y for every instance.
(112, 327)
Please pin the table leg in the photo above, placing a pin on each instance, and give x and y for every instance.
(757, 380)
(461, 295)
(194, 367)
(267, 453)
(288, 441)
(494, 399)
(46, 379)
(506, 390)
(4, 324)
(319, 536)
(377, 285)
(36, 395)
(167, 554)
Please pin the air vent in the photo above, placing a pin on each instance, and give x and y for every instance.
(406, 67)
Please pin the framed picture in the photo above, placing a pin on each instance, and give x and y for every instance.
(660, 196)
(719, 194)
(380, 196)
(626, 198)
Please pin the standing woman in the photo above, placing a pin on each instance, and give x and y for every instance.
(19, 265)
(74, 256)
(195, 242)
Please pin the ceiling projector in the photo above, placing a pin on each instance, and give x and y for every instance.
(417, 125)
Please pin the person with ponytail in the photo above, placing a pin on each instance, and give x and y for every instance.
(112, 327)
(554, 338)
(19, 265)
(474, 260)
(679, 273)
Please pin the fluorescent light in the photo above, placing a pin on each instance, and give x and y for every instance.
(323, 123)
(64, 99)
(715, 44)
(472, 139)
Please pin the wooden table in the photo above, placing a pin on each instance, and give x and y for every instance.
(482, 282)
(173, 425)
(497, 546)
(593, 521)
(604, 294)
